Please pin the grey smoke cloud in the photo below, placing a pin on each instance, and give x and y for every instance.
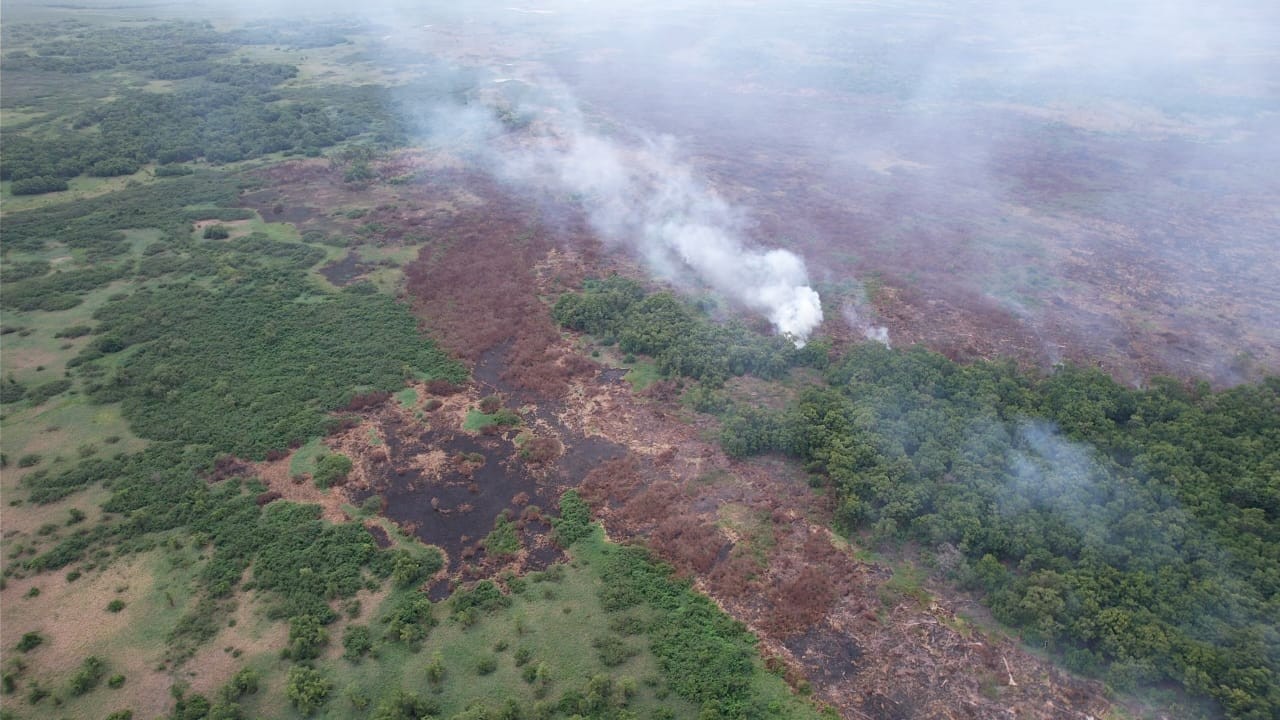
(975, 138)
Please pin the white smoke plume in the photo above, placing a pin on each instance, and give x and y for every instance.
(646, 197)
(642, 196)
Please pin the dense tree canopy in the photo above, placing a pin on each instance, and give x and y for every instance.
(1136, 531)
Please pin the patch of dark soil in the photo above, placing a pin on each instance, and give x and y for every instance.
(881, 707)
(544, 556)
(380, 535)
(455, 505)
(440, 590)
(274, 206)
(584, 454)
(828, 654)
(345, 271)
(613, 375)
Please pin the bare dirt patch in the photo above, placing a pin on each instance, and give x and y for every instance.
(252, 635)
(30, 358)
(278, 479)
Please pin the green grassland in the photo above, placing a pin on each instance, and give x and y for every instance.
(555, 620)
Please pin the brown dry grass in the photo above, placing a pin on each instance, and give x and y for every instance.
(29, 358)
(75, 624)
(24, 520)
(253, 635)
(277, 477)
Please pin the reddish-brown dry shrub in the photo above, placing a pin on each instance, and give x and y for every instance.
(433, 404)
(228, 466)
(267, 497)
(735, 576)
(442, 388)
(475, 313)
(653, 503)
(366, 400)
(687, 542)
(540, 450)
(612, 481)
(662, 390)
(801, 599)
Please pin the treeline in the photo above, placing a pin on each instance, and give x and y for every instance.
(1137, 532)
(165, 51)
(74, 47)
(683, 340)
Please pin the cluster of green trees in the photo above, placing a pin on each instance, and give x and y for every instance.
(246, 368)
(89, 225)
(705, 655)
(75, 47)
(231, 113)
(1135, 531)
(682, 338)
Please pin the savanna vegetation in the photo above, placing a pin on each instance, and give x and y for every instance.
(1134, 533)
(213, 345)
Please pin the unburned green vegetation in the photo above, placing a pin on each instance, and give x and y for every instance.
(202, 352)
(212, 109)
